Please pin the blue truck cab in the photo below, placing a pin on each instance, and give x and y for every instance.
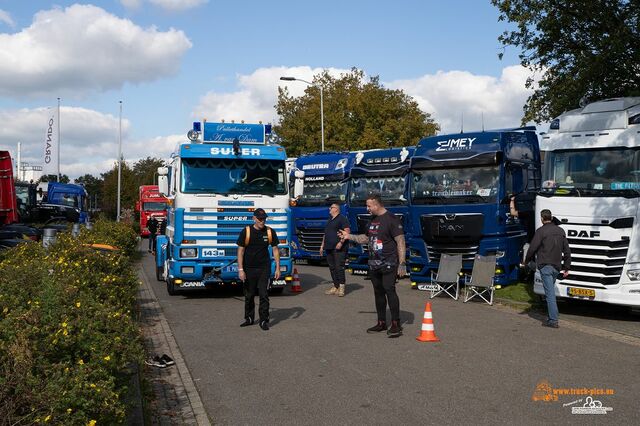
(384, 172)
(70, 195)
(325, 181)
(214, 182)
(460, 193)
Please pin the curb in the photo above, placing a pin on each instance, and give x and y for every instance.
(177, 388)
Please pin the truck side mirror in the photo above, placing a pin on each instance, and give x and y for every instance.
(138, 206)
(163, 181)
(298, 184)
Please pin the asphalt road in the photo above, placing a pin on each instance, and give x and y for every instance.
(318, 366)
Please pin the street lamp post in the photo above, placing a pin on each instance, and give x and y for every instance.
(119, 161)
(321, 102)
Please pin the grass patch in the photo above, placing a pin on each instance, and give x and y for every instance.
(521, 292)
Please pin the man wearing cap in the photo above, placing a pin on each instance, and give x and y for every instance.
(254, 267)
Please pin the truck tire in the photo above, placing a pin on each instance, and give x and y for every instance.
(171, 288)
(159, 273)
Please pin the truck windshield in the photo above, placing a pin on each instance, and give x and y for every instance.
(319, 193)
(154, 206)
(233, 176)
(593, 172)
(70, 200)
(455, 186)
(390, 188)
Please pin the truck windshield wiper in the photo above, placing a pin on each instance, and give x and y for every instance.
(474, 197)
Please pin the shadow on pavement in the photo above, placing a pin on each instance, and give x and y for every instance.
(283, 314)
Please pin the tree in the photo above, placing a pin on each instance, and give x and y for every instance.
(147, 169)
(357, 115)
(54, 178)
(128, 192)
(583, 49)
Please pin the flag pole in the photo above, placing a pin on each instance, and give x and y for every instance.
(119, 160)
(58, 174)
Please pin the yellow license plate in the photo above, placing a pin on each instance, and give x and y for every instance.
(581, 292)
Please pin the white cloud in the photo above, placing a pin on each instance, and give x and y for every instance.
(453, 96)
(257, 94)
(178, 4)
(84, 48)
(171, 5)
(89, 139)
(6, 18)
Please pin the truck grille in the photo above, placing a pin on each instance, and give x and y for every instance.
(457, 230)
(596, 263)
(468, 252)
(310, 238)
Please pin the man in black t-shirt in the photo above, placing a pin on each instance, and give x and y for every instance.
(152, 226)
(254, 267)
(385, 238)
(336, 249)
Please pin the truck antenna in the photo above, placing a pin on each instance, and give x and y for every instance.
(482, 121)
(462, 122)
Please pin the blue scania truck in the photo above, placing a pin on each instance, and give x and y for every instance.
(460, 192)
(325, 181)
(214, 182)
(384, 172)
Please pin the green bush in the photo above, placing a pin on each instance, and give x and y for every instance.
(67, 330)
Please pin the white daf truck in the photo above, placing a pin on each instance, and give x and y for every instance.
(591, 176)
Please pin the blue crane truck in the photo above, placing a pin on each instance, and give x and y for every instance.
(461, 186)
(325, 181)
(384, 172)
(214, 182)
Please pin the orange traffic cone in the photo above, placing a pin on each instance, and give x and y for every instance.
(295, 284)
(427, 334)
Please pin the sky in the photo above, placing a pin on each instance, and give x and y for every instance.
(172, 62)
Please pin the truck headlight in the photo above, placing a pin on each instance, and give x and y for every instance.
(284, 251)
(634, 274)
(188, 252)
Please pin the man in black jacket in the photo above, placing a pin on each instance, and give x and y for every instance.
(553, 255)
(152, 226)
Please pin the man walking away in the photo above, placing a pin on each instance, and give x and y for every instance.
(336, 249)
(552, 248)
(385, 237)
(254, 267)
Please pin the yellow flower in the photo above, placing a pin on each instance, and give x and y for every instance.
(77, 304)
(93, 385)
(69, 410)
(92, 423)
(81, 361)
(64, 324)
(5, 310)
(46, 419)
(107, 358)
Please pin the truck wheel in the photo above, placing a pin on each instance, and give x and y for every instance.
(171, 288)
(159, 273)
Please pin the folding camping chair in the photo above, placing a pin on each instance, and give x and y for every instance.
(447, 278)
(481, 280)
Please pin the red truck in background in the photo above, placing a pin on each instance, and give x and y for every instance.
(150, 203)
(8, 201)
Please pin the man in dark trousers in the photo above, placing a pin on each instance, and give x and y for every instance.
(152, 226)
(553, 255)
(385, 237)
(254, 267)
(336, 249)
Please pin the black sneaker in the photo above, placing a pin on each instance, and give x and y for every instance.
(395, 330)
(247, 322)
(156, 361)
(264, 325)
(380, 326)
(550, 324)
(167, 360)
